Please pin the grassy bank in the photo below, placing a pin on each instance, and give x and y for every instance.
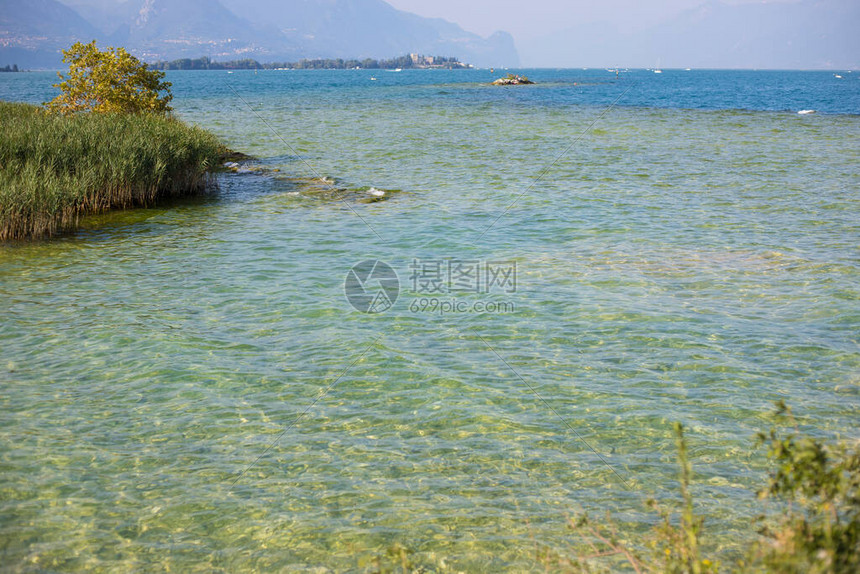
(54, 169)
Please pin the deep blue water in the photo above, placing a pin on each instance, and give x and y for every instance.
(694, 89)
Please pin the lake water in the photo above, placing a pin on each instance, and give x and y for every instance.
(187, 387)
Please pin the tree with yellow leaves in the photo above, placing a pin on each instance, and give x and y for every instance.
(109, 81)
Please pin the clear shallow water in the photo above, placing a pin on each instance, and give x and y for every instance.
(693, 257)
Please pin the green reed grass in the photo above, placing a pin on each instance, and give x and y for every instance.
(54, 168)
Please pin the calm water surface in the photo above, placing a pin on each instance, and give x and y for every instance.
(187, 388)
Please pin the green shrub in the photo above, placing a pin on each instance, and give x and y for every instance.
(818, 487)
(816, 529)
(55, 168)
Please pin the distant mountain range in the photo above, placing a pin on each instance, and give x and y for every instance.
(33, 33)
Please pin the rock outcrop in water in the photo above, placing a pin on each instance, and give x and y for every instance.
(512, 80)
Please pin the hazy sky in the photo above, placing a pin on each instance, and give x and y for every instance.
(526, 19)
(569, 32)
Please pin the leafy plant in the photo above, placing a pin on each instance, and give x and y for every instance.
(816, 529)
(818, 484)
(110, 80)
(678, 547)
(673, 547)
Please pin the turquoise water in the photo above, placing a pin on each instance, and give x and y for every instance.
(188, 388)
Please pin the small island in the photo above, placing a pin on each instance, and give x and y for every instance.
(512, 80)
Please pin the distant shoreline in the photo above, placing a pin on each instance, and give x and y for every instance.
(407, 62)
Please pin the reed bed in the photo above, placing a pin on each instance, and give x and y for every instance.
(55, 169)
